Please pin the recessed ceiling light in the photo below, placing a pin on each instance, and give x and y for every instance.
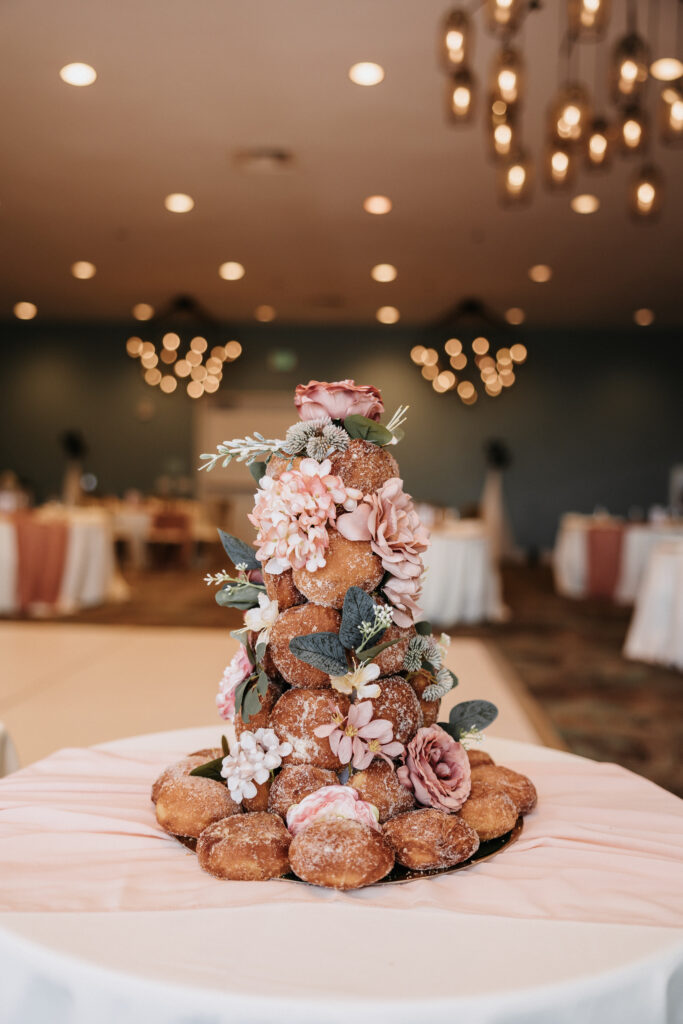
(83, 270)
(388, 315)
(377, 204)
(231, 271)
(540, 273)
(25, 310)
(644, 317)
(178, 202)
(666, 69)
(515, 315)
(366, 73)
(78, 74)
(585, 203)
(383, 272)
(264, 314)
(143, 311)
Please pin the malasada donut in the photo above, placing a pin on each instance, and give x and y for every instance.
(427, 839)
(398, 703)
(477, 757)
(348, 563)
(281, 588)
(489, 811)
(278, 464)
(340, 854)
(519, 788)
(184, 767)
(248, 848)
(294, 782)
(299, 621)
(364, 465)
(430, 708)
(260, 719)
(186, 804)
(390, 660)
(379, 785)
(295, 717)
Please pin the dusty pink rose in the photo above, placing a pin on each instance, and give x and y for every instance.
(437, 770)
(338, 399)
(389, 521)
(239, 669)
(328, 803)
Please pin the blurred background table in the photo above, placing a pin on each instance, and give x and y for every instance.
(462, 583)
(656, 630)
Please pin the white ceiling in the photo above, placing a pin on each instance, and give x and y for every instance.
(181, 86)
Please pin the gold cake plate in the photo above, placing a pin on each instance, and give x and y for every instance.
(489, 848)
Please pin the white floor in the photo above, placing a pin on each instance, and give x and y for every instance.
(73, 685)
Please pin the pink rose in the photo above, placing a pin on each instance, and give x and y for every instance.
(239, 669)
(328, 803)
(338, 399)
(437, 770)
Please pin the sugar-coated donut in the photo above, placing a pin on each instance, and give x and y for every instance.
(260, 801)
(300, 621)
(397, 703)
(364, 465)
(277, 465)
(427, 839)
(260, 719)
(477, 757)
(379, 785)
(248, 848)
(340, 854)
(294, 718)
(184, 767)
(294, 782)
(519, 788)
(186, 804)
(390, 660)
(489, 810)
(348, 563)
(281, 588)
(430, 708)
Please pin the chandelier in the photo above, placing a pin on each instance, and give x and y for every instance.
(580, 132)
(477, 353)
(183, 349)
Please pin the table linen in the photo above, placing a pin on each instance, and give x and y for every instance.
(462, 583)
(655, 633)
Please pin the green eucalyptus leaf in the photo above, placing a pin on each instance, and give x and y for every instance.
(262, 683)
(241, 635)
(238, 551)
(358, 607)
(454, 679)
(239, 694)
(472, 714)
(324, 651)
(225, 746)
(251, 703)
(423, 628)
(238, 595)
(450, 729)
(367, 430)
(257, 470)
(210, 770)
(372, 652)
(260, 650)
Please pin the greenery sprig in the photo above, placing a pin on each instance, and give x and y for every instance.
(242, 449)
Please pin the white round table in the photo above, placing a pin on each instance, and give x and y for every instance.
(461, 584)
(105, 918)
(656, 630)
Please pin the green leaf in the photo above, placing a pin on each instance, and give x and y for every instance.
(455, 679)
(361, 427)
(241, 635)
(257, 470)
(238, 551)
(472, 714)
(262, 683)
(372, 652)
(423, 628)
(324, 651)
(260, 650)
(239, 694)
(358, 607)
(225, 746)
(238, 595)
(251, 703)
(210, 770)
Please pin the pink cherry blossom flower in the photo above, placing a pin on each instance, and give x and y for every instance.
(329, 803)
(239, 669)
(338, 399)
(359, 738)
(292, 514)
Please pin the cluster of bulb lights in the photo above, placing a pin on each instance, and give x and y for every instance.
(198, 369)
(496, 371)
(574, 134)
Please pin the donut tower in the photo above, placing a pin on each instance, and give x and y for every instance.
(336, 771)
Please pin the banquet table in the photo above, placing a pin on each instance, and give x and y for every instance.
(655, 633)
(105, 917)
(462, 583)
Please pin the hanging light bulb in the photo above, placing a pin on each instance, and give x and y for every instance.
(630, 61)
(633, 130)
(646, 193)
(507, 76)
(504, 15)
(598, 144)
(560, 165)
(570, 113)
(461, 96)
(504, 139)
(515, 180)
(666, 69)
(671, 114)
(588, 17)
(456, 40)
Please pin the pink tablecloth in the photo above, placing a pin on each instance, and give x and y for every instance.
(77, 832)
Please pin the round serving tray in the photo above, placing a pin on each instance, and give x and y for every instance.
(489, 848)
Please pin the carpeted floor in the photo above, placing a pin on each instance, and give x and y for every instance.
(567, 653)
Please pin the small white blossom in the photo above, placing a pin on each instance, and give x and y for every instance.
(255, 756)
(360, 680)
(262, 619)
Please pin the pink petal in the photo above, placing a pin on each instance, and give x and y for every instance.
(394, 749)
(343, 751)
(379, 727)
(361, 713)
(354, 525)
(325, 730)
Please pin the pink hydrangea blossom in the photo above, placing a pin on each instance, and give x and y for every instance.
(328, 803)
(239, 669)
(389, 521)
(337, 399)
(292, 513)
(359, 738)
(437, 769)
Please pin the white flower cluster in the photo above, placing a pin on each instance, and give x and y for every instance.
(427, 648)
(382, 620)
(256, 755)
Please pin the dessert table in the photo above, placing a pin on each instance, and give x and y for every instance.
(105, 917)
(462, 583)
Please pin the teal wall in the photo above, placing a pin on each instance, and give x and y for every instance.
(594, 418)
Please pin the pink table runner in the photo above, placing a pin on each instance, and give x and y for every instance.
(41, 558)
(77, 832)
(604, 559)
